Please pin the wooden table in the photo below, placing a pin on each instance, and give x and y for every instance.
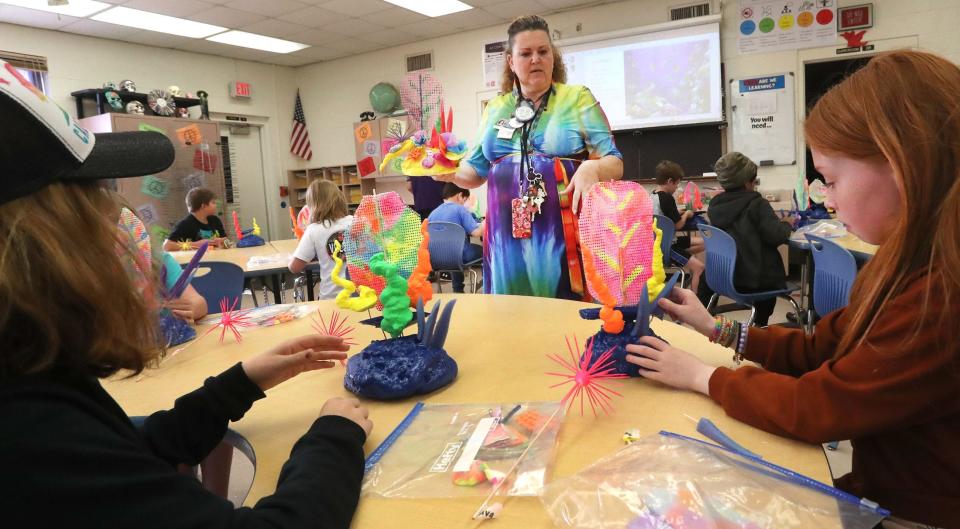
(503, 366)
(241, 257)
(289, 246)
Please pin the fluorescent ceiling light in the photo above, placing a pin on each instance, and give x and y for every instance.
(257, 42)
(432, 8)
(135, 18)
(76, 8)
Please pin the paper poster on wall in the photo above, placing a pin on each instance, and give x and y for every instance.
(494, 57)
(204, 161)
(366, 166)
(363, 133)
(154, 187)
(192, 180)
(767, 25)
(371, 148)
(143, 127)
(764, 124)
(148, 213)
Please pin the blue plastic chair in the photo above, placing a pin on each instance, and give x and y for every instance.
(835, 269)
(721, 251)
(671, 260)
(224, 280)
(446, 250)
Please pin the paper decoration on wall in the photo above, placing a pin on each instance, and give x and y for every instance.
(148, 213)
(363, 132)
(145, 127)
(194, 179)
(190, 135)
(421, 94)
(366, 166)
(158, 232)
(371, 148)
(203, 160)
(154, 187)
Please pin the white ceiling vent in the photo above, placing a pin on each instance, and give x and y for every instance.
(690, 11)
(420, 61)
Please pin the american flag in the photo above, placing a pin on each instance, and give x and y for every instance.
(300, 138)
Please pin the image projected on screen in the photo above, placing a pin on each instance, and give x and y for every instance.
(652, 79)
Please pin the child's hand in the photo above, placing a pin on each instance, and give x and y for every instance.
(349, 408)
(682, 305)
(668, 365)
(293, 357)
(182, 308)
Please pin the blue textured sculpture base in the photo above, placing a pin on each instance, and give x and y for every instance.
(398, 367)
(174, 330)
(250, 240)
(603, 341)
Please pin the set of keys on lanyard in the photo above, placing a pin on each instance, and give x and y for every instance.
(532, 190)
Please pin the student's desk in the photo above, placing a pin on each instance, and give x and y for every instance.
(241, 257)
(289, 246)
(500, 343)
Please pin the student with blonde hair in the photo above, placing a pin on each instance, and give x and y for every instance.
(328, 220)
(885, 371)
(71, 313)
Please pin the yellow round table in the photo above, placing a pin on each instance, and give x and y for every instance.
(500, 344)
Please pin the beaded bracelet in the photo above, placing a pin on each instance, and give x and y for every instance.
(724, 332)
(741, 343)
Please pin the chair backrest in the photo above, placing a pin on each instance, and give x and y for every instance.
(669, 230)
(834, 272)
(446, 245)
(224, 280)
(721, 250)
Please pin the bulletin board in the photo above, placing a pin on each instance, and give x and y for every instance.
(764, 121)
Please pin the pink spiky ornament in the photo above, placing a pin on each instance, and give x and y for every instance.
(585, 373)
(334, 325)
(231, 319)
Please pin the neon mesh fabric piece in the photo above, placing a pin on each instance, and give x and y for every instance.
(382, 223)
(692, 196)
(616, 226)
(421, 95)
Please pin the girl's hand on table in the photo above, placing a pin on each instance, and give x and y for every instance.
(349, 408)
(669, 365)
(293, 357)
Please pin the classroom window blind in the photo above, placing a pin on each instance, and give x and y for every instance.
(32, 67)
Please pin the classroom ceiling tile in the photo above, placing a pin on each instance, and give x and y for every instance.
(270, 8)
(515, 8)
(317, 53)
(313, 17)
(390, 37)
(173, 8)
(563, 4)
(471, 19)
(355, 8)
(95, 28)
(156, 39)
(352, 26)
(395, 16)
(227, 17)
(433, 27)
(315, 37)
(34, 18)
(273, 27)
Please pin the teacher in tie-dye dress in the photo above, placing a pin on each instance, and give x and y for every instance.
(568, 142)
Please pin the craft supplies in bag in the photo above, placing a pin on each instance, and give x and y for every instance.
(462, 450)
(828, 229)
(669, 481)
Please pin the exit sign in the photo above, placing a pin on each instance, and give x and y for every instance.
(240, 89)
(855, 17)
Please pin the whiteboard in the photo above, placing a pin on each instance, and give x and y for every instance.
(764, 122)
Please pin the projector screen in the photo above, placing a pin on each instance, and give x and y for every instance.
(654, 79)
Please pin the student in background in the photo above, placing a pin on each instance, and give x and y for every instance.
(453, 210)
(328, 221)
(743, 213)
(427, 194)
(883, 372)
(71, 314)
(668, 175)
(201, 224)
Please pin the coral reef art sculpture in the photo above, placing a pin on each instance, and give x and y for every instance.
(429, 152)
(248, 238)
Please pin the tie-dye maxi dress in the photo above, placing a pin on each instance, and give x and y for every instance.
(572, 127)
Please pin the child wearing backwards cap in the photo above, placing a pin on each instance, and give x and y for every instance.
(70, 315)
(883, 372)
(743, 213)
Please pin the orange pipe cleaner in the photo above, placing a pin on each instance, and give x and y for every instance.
(296, 227)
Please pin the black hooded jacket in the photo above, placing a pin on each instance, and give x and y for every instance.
(750, 220)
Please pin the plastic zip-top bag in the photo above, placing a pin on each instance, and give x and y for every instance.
(670, 481)
(462, 450)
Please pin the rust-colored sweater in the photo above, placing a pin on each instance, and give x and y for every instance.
(898, 401)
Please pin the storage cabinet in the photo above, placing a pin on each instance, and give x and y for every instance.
(159, 200)
(345, 177)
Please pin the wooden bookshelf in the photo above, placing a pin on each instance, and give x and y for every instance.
(346, 177)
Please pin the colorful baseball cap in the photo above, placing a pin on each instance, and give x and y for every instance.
(40, 143)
